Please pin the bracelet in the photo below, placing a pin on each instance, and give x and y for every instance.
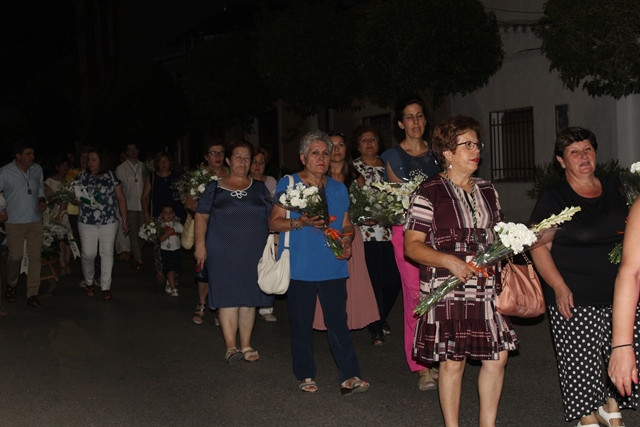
(621, 345)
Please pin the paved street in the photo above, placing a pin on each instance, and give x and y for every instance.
(139, 360)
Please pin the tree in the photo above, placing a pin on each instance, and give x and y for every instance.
(141, 105)
(439, 46)
(222, 83)
(307, 57)
(594, 44)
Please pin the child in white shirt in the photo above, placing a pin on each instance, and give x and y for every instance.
(170, 248)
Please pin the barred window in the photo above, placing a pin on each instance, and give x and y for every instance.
(512, 149)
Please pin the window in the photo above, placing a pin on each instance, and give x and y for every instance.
(562, 117)
(512, 150)
(381, 122)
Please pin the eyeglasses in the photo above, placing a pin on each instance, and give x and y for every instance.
(369, 140)
(472, 144)
(216, 153)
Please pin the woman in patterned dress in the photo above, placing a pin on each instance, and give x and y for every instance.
(450, 217)
(378, 250)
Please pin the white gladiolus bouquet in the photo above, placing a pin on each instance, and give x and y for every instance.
(631, 185)
(512, 239)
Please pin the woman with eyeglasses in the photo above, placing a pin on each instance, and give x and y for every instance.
(231, 220)
(451, 216)
(401, 161)
(213, 152)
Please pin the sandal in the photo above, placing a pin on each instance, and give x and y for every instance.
(249, 354)
(605, 417)
(353, 385)
(377, 340)
(106, 295)
(198, 314)
(308, 385)
(232, 356)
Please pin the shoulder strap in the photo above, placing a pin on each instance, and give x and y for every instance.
(287, 215)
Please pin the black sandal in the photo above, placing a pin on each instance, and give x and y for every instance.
(377, 340)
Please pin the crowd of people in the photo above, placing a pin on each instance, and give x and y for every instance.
(451, 216)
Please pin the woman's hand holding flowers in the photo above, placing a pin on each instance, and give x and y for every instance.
(310, 221)
(462, 270)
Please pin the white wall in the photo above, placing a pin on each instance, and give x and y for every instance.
(526, 81)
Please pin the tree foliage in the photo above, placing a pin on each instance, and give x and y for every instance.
(594, 44)
(444, 47)
(141, 105)
(314, 53)
(307, 57)
(222, 83)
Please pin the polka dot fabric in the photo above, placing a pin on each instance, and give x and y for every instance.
(583, 347)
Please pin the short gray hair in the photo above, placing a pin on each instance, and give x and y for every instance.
(315, 135)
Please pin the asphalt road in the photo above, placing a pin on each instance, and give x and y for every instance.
(139, 360)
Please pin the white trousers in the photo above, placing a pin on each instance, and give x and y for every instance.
(92, 238)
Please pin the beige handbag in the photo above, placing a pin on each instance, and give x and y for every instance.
(188, 234)
(521, 291)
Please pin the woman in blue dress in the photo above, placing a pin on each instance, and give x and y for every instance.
(231, 228)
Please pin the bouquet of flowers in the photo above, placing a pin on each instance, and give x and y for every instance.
(300, 198)
(631, 185)
(364, 203)
(52, 234)
(63, 196)
(193, 182)
(513, 239)
(393, 200)
(93, 200)
(150, 232)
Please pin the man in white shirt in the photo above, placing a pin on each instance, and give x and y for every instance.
(132, 175)
(23, 188)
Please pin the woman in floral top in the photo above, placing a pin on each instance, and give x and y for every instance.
(378, 250)
(100, 195)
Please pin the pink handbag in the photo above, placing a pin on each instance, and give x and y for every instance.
(521, 291)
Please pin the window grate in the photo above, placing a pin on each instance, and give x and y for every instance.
(512, 148)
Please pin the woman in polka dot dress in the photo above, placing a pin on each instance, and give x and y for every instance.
(580, 280)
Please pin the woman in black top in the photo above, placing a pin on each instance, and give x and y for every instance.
(580, 279)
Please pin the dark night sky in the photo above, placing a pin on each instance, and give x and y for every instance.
(34, 35)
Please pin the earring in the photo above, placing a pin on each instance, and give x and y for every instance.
(450, 165)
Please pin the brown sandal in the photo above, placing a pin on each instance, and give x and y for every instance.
(198, 314)
(89, 290)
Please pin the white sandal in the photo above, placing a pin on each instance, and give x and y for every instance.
(605, 417)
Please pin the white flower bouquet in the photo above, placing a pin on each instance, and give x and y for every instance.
(93, 200)
(631, 186)
(52, 234)
(150, 232)
(513, 239)
(393, 200)
(193, 182)
(309, 200)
